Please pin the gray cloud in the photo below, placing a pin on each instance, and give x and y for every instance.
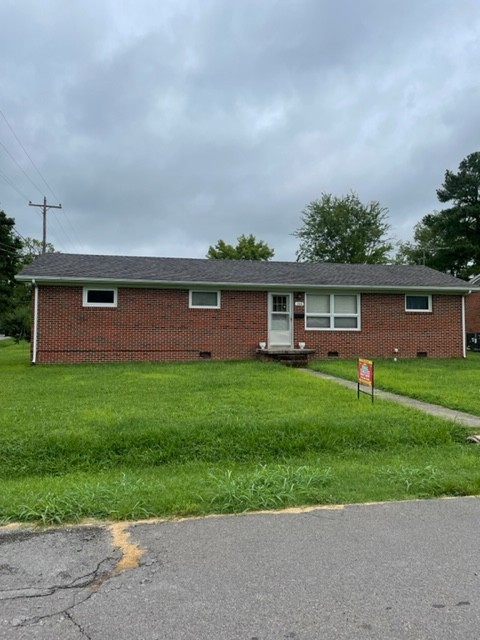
(163, 127)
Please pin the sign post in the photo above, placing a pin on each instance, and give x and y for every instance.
(365, 383)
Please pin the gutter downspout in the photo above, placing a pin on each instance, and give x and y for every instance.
(35, 322)
(464, 335)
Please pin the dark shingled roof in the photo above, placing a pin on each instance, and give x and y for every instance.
(62, 267)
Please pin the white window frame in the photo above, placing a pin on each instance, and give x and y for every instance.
(332, 315)
(100, 304)
(419, 295)
(203, 306)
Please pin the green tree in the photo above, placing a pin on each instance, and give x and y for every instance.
(449, 239)
(10, 248)
(15, 308)
(420, 250)
(17, 320)
(247, 248)
(32, 248)
(343, 230)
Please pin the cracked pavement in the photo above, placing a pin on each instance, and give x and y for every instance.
(45, 574)
(405, 570)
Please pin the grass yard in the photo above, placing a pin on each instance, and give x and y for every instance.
(452, 383)
(140, 440)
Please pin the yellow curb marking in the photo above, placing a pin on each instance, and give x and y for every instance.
(268, 512)
(131, 552)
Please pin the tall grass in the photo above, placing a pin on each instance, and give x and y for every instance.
(452, 382)
(141, 440)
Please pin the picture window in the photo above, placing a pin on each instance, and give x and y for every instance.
(329, 311)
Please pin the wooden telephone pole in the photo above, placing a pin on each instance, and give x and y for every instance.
(45, 208)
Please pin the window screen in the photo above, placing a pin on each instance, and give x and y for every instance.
(418, 303)
(204, 299)
(99, 297)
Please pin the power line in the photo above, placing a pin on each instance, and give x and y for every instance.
(10, 182)
(66, 217)
(19, 234)
(77, 239)
(20, 167)
(28, 155)
(8, 249)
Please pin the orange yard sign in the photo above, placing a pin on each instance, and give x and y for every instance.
(365, 377)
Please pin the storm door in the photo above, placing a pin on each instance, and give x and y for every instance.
(280, 320)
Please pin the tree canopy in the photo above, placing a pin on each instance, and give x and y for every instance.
(31, 248)
(247, 248)
(343, 230)
(10, 247)
(449, 239)
(15, 313)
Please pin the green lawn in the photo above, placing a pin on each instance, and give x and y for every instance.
(139, 440)
(453, 383)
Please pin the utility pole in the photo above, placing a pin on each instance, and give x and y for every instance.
(45, 208)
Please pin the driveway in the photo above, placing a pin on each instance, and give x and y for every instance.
(382, 571)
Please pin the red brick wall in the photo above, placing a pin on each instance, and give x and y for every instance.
(472, 313)
(385, 326)
(157, 324)
(147, 324)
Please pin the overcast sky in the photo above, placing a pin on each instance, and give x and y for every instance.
(164, 125)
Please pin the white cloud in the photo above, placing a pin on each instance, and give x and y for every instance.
(163, 127)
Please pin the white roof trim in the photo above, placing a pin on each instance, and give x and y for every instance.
(169, 284)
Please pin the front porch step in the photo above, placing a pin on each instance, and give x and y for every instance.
(288, 357)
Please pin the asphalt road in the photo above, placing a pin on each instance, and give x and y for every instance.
(382, 571)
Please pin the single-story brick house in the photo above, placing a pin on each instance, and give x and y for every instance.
(119, 308)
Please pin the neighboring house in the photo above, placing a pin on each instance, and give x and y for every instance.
(91, 308)
(472, 316)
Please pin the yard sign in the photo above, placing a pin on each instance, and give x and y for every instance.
(365, 382)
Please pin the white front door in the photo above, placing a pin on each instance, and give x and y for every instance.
(280, 320)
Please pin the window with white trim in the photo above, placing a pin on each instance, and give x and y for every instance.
(204, 299)
(328, 311)
(419, 303)
(99, 297)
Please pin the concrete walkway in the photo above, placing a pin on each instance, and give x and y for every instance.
(433, 409)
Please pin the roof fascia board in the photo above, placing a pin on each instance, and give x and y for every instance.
(244, 285)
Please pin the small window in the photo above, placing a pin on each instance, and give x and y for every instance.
(280, 304)
(205, 299)
(418, 303)
(99, 297)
